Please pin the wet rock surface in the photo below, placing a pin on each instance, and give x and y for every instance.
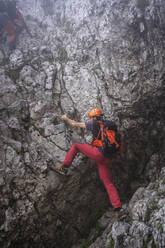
(82, 54)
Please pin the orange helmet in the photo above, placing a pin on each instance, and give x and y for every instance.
(94, 112)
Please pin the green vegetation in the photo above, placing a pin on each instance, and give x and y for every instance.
(87, 243)
(91, 240)
(150, 241)
(96, 214)
(160, 227)
(111, 242)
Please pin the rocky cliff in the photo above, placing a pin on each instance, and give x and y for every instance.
(82, 54)
(145, 225)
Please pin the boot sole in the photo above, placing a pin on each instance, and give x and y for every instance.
(121, 217)
(60, 173)
(57, 171)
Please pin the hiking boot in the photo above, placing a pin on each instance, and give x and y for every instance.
(61, 169)
(120, 214)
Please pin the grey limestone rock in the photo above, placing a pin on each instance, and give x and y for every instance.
(82, 54)
(145, 228)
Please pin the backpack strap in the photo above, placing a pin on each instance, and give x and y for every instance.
(98, 142)
(110, 134)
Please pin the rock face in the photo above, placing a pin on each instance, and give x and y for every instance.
(82, 54)
(146, 227)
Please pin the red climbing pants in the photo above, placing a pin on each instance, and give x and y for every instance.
(103, 166)
(11, 31)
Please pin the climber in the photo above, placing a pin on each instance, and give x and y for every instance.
(11, 21)
(8, 26)
(95, 153)
(16, 17)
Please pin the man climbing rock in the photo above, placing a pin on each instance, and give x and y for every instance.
(11, 21)
(95, 153)
(7, 25)
(15, 16)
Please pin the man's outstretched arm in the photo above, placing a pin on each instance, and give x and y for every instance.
(72, 122)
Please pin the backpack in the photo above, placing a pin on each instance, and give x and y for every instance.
(108, 138)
